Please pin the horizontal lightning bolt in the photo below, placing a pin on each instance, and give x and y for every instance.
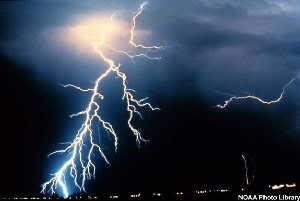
(132, 56)
(79, 165)
(278, 99)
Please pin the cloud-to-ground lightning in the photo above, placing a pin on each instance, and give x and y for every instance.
(244, 157)
(249, 166)
(80, 166)
(256, 98)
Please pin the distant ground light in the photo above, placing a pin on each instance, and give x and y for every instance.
(194, 194)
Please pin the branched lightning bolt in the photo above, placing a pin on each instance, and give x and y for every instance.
(278, 99)
(80, 165)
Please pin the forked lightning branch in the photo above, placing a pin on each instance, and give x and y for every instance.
(79, 166)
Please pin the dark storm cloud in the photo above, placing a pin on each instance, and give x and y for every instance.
(233, 45)
(217, 45)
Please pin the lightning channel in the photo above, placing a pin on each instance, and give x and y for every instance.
(132, 30)
(132, 42)
(80, 166)
(256, 98)
(246, 169)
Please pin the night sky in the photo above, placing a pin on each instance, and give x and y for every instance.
(212, 47)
